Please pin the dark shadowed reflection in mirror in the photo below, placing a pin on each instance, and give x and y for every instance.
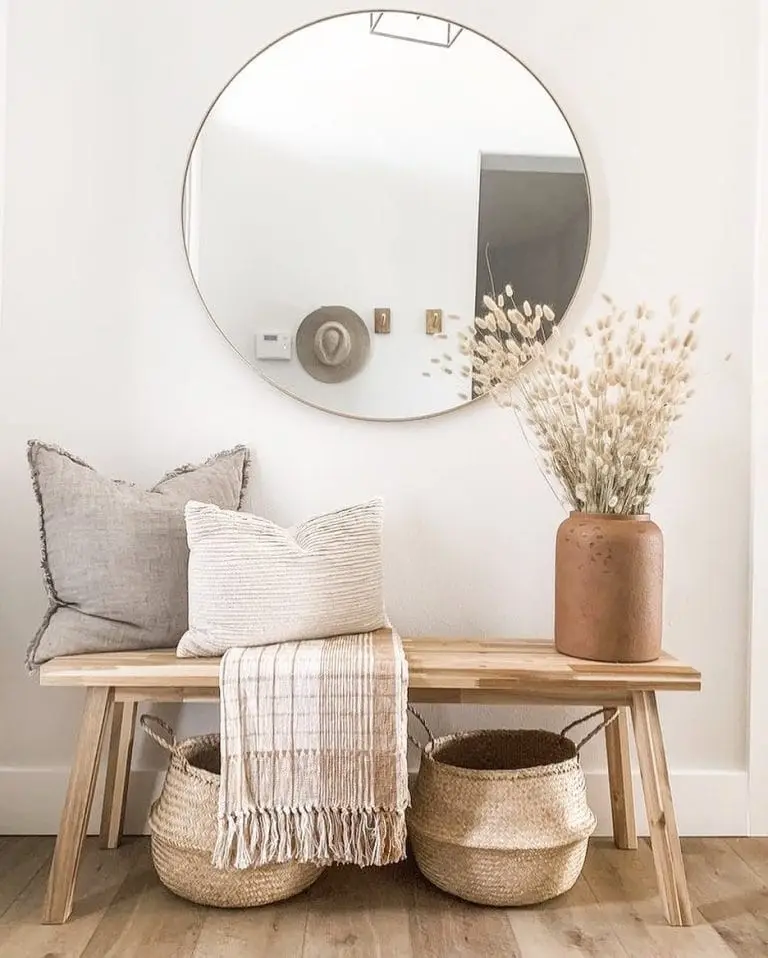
(352, 195)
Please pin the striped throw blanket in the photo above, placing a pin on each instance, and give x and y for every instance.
(313, 752)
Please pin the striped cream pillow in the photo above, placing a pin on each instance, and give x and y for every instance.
(253, 583)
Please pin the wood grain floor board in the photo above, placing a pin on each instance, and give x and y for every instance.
(572, 925)
(21, 859)
(354, 911)
(270, 932)
(753, 851)
(121, 911)
(729, 894)
(145, 919)
(624, 884)
(442, 926)
(101, 875)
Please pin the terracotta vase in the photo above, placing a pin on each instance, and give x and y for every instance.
(609, 574)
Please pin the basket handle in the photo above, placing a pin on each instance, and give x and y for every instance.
(595, 731)
(166, 741)
(417, 715)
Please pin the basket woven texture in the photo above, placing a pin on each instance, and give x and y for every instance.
(183, 822)
(501, 817)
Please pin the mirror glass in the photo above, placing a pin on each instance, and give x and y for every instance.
(356, 190)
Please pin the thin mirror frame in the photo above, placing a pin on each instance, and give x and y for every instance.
(336, 16)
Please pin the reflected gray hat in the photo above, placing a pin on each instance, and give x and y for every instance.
(332, 344)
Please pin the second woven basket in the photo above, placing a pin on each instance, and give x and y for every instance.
(500, 817)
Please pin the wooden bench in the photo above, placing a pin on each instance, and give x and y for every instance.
(441, 670)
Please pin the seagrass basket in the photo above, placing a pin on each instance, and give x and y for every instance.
(501, 817)
(183, 822)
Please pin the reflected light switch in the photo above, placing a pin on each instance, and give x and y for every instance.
(273, 345)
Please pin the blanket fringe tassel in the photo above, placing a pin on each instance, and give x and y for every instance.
(323, 836)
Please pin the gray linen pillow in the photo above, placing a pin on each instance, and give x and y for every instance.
(115, 556)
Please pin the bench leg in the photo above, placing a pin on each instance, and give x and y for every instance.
(118, 772)
(660, 810)
(77, 807)
(620, 780)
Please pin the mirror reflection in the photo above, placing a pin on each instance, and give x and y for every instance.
(356, 190)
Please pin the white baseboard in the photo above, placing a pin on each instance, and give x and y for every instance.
(708, 803)
(31, 800)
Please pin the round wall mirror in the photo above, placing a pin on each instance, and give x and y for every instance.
(359, 187)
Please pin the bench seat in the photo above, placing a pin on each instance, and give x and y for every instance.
(437, 668)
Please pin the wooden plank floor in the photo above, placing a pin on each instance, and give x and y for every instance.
(122, 910)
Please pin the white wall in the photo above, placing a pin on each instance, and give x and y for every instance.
(340, 168)
(105, 347)
(758, 704)
(3, 91)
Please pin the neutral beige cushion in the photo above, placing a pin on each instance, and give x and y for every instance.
(252, 582)
(115, 556)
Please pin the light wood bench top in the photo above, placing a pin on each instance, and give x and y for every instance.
(440, 665)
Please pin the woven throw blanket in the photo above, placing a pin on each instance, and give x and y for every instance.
(313, 752)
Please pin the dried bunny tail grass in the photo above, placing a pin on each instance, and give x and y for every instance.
(599, 434)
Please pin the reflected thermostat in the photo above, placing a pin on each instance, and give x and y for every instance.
(273, 345)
